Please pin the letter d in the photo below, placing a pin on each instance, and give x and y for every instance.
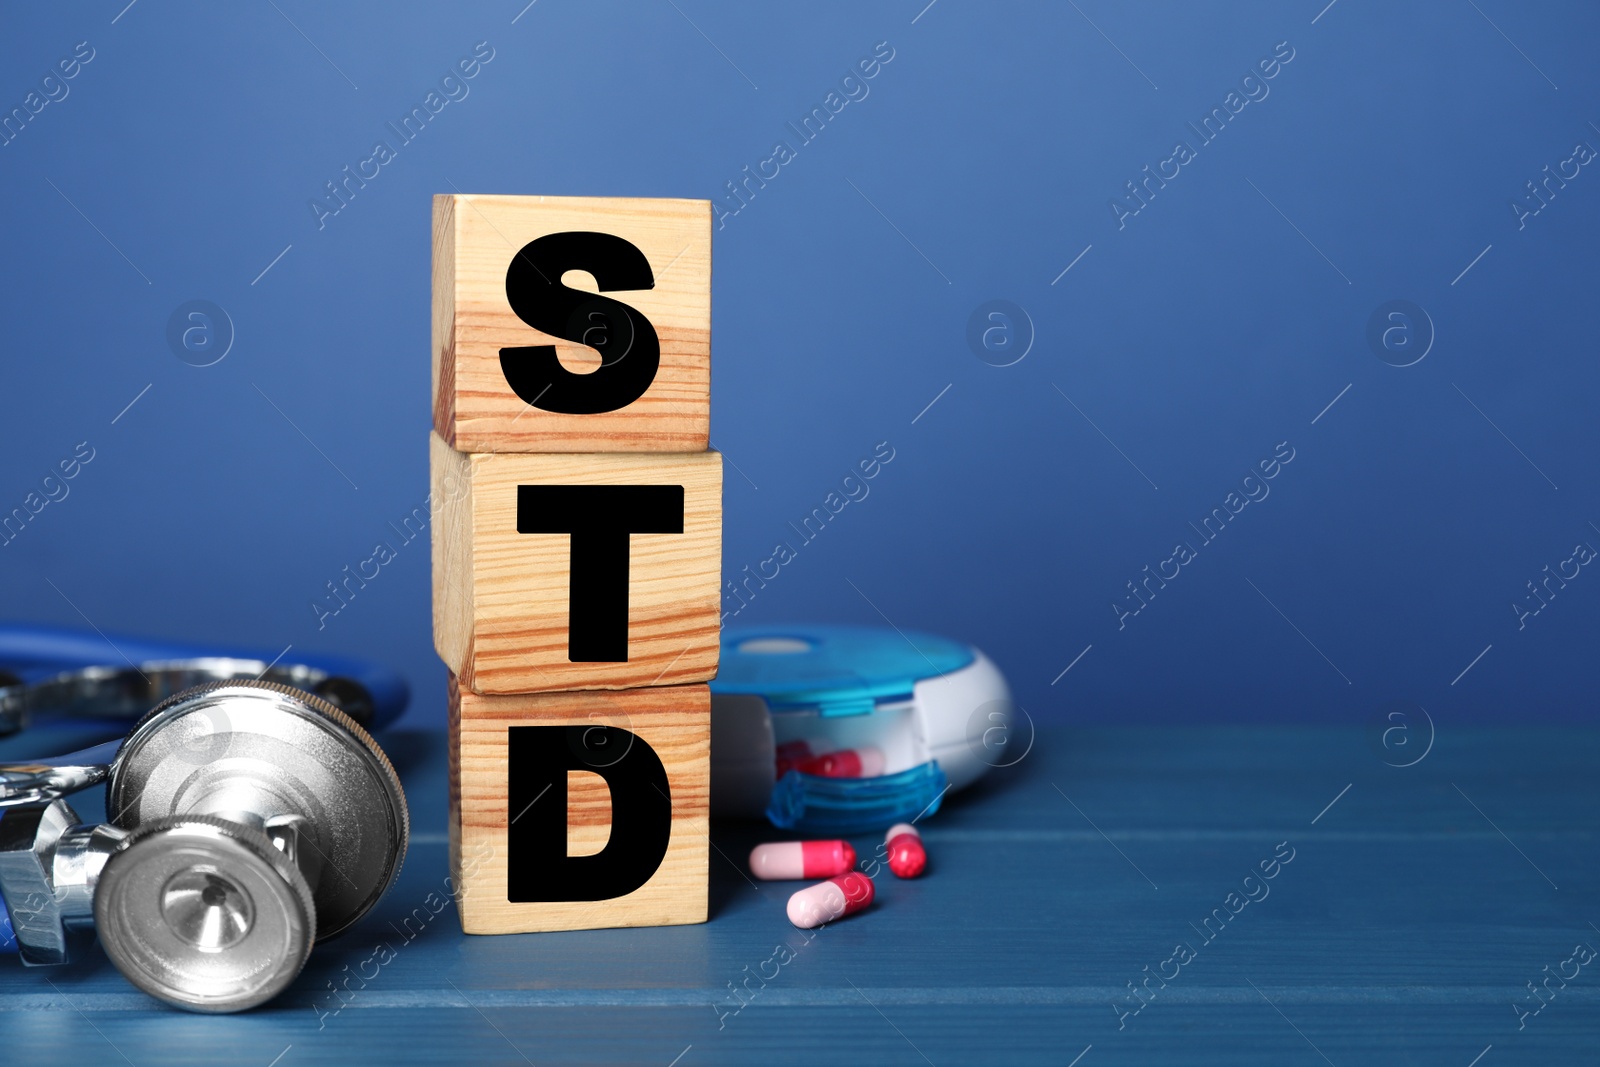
(538, 869)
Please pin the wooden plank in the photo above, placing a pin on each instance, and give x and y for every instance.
(502, 599)
(477, 240)
(489, 861)
(1403, 932)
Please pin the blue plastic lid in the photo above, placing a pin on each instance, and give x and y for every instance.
(839, 670)
(818, 805)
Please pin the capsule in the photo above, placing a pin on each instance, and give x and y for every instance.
(907, 858)
(865, 762)
(790, 754)
(779, 860)
(830, 900)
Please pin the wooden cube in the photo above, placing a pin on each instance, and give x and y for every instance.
(525, 360)
(624, 776)
(538, 585)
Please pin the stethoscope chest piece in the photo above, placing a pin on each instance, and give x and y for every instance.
(246, 821)
(205, 913)
(283, 763)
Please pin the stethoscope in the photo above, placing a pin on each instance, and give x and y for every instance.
(249, 812)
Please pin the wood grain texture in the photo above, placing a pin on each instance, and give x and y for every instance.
(474, 240)
(500, 598)
(444, 314)
(675, 721)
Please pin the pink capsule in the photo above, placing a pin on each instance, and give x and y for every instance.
(907, 858)
(830, 900)
(779, 860)
(865, 762)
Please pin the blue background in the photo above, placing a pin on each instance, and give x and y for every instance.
(1191, 341)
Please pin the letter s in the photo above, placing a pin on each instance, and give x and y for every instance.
(630, 351)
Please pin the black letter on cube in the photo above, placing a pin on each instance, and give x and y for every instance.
(599, 518)
(630, 350)
(538, 869)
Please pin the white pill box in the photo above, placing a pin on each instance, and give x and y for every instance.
(938, 711)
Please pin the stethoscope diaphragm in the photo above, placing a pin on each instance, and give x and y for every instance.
(284, 762)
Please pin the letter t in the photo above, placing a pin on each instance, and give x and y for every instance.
(599, 519)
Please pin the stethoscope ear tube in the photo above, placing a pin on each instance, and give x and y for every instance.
(41, 781)
(54, 670)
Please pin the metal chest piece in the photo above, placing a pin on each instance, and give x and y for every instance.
(205, 913)
(261, 819)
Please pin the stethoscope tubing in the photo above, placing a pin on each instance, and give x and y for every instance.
(35, 654)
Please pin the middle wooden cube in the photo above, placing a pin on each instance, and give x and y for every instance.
(576, 571)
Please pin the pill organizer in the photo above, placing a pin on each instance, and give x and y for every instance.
(920, 709)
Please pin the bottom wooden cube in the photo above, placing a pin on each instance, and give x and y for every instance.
(580, 810)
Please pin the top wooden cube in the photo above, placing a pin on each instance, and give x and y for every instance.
(571, 324)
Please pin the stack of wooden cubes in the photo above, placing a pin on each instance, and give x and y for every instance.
(577, 541)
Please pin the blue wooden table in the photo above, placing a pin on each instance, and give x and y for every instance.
(1105, 901)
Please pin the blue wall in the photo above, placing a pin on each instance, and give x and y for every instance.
(1190, 340)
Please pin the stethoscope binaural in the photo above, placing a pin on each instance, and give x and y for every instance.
(59, 671)
(247, 819)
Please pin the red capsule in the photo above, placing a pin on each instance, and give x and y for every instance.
(790, 754)
(865, 762)
(907, 858)
(830, 900)
(801, 859)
